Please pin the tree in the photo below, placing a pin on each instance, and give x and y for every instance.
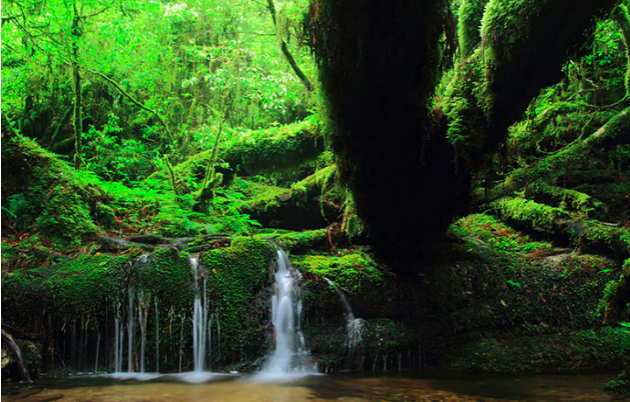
(408, 152)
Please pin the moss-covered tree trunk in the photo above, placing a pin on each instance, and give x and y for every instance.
(76, 79)
(407, 162)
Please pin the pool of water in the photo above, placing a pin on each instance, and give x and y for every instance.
(347, 387)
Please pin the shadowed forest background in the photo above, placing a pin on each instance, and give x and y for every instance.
(458, 169)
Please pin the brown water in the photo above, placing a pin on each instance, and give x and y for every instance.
(421, 386)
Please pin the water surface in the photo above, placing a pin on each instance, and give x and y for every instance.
(437, 386)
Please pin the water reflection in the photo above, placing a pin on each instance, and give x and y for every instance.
(424, 386)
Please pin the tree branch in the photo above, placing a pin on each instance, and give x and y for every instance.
(134, 101)
(285, 50)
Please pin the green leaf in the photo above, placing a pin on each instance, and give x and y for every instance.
(511, 282)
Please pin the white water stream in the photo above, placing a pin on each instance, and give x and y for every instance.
(290, 358)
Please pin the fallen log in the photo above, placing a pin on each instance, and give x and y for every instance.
(588, 234)
(17, 353)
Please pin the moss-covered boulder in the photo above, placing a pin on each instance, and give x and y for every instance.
(42, 194)
(541, 351)
(238, 277)
(511, 304)
(620, 386)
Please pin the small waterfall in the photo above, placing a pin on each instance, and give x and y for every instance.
(354, 326)
(142, 318)
(210, 339)
(118, 340)
(130, 329)
(200, 317)
(98, 346)
(157, 337)
(290, 357)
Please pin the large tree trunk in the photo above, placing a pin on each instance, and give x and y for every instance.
(408, 167)
(76, 79)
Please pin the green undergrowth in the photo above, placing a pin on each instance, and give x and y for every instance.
(498, 235)
(50, 206)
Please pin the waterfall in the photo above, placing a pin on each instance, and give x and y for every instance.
(130, 329)
(290, 357)
(354, 326)
(157, 337)
(200, 317)
(118, 340)
(98, 346)
(142, 317)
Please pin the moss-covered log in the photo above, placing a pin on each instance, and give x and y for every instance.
(615, 132)
(621, 15)
(51, 200)
(308, 204)
(393, 149)
(270, 149)
(570, 200)
(587, 234)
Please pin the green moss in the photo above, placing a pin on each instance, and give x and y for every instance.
(167, 277)
(65, 216)
(566, 350)
(497, 234)
(620, 386)
(351, 271)
(589, 234)
(261, 195)
(269, 149)
(235, 275)
(85, 284)
(566, 199)
(54, 202)
(301, 242)
(469, 24)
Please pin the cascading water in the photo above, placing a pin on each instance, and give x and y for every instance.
(200, 318)
(118, 341)
(130, 330)
(290, 357)
(354, 326)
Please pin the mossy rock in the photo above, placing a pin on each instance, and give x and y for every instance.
(381, 344)
(302, 242)
(166, 275)
(591, 349)
(620, 386)
(52, 197)
(236, 275)
(370, 288)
